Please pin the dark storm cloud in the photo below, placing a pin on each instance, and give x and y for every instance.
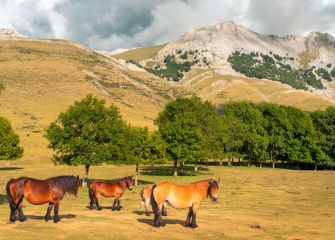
(111, 24)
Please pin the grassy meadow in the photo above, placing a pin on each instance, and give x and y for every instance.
(254, 203)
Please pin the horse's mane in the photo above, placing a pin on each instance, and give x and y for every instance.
(65, 183)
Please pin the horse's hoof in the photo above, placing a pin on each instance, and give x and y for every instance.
(148, 214)
(164, 214)
(194, 226)
(12, 219)
(99, 208)
(56, 220)
(23, 219)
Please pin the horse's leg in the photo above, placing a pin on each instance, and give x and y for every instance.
(56, 208)
(22, 217)
(97, 201)
(146, 204)
(188, 219)
(193, 215)
(164, 212)
(47, 215)
(158, 217)
(114, 204)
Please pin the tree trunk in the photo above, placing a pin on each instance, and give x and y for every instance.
(273, 164)
(175, 170)
(260, 164)
(229, 160)
(181, 168)
(136, 175)
(239, 160)
(298, 165)
(316, 167)
(85, 177)
(196, 166)
(248, 162)
(220, 162)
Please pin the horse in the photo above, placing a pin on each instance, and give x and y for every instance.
(145, 201)
(115, 189)
(38, 192)
(181, 197)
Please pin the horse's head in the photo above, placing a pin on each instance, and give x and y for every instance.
(129, 182)
(213, 189)
(76, 187)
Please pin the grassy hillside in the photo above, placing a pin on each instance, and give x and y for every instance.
(42, 78)
(140, 54)
(225, 88)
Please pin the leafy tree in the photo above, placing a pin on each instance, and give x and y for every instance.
(145, 148)
(276, 126)
(324, 123)
(9, 142)
(183, 125)
(88, 133)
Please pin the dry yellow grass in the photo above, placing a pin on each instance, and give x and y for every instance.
(140, 54)
(306, 57)
(225, 88)
(254, 203)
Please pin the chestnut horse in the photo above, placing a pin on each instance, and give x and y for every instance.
(145, 197)
(115, 188)
(181, 197)
(38, 192)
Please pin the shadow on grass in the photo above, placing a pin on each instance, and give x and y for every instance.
(3, 199)
(9, 168)
(65, 216)
(141, 213)
(150, 221)
(168, 171)
(102, 208)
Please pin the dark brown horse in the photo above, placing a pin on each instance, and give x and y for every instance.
(38, 192)
(115, 188)
(180, 197)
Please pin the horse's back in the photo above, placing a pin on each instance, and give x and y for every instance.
(178, 196)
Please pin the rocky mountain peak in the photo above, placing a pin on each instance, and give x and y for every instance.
(9, 33)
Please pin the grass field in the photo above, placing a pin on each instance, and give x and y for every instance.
(254, 203)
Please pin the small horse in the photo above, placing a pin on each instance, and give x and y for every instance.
(38, 192)
(114, 189)
(145, 197)
(180, 197)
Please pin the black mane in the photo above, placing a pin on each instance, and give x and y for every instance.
(68, 184)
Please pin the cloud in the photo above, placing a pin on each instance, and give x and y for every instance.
(111, 24)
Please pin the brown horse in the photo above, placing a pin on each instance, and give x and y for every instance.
(180, 197)
(115, 189)
(145, 197)
(38, 192)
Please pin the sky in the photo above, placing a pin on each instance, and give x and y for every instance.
(112, 24)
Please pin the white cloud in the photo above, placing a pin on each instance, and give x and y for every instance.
(111, 24)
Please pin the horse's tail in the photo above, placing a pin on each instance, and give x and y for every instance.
(9, 195)
(90, 194)
(153, 201)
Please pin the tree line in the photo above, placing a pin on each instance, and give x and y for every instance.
(190, 130)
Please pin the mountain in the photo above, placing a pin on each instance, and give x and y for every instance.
(229, 62)
(9, 33)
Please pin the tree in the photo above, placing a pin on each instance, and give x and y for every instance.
(88, 133)
(276, 126)
(9, 142)
(145, 148)
(183, 125)
(324, 125)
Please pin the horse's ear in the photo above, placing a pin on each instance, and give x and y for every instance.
(219, 179)
(77, 177)
(132, 175)
(211, 180)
